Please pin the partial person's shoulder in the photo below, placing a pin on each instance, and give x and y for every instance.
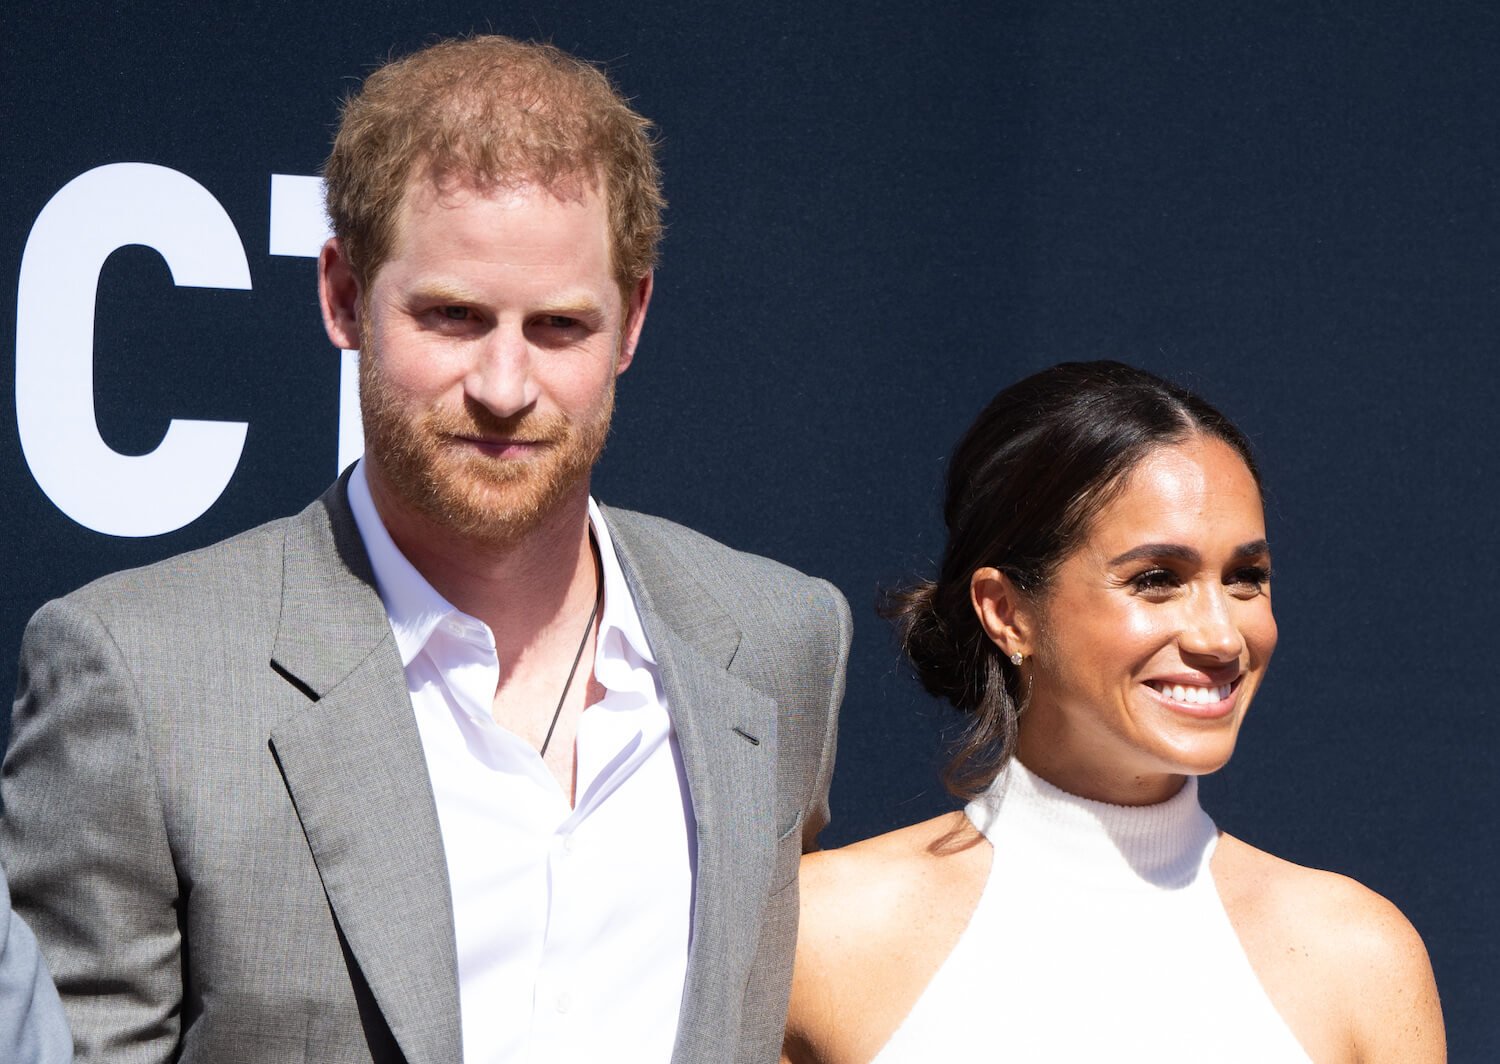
(233, 583)
(878, 919)
(1330, 933)
(648, 534)
(230, 566)
(1331, 911)
(671, 550)
(859, 897)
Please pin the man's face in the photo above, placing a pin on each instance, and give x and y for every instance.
(491, 339)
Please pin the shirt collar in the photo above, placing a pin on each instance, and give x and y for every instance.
(620, 613)
(415, 608)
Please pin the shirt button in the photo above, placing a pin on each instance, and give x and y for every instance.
(568, 844)
(564, 1002)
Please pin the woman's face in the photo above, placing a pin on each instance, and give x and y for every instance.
(1153, 636)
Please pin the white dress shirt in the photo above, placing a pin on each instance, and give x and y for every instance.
(572, 922)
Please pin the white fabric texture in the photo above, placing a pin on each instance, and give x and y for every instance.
(1099, 936)
(572, 923)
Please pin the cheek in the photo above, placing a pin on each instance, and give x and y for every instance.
(1132, 631)
(420, 372)
(1143, 625)
(1106, 626)
(1259, 631)
(1107, 643)
(586, 384)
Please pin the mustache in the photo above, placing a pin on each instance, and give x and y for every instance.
(476, 420)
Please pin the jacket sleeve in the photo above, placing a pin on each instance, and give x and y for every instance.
(85, 843)
(818, 811)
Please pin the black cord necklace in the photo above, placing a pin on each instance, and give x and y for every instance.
(587, 628)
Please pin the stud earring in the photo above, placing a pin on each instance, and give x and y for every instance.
(1017, 658)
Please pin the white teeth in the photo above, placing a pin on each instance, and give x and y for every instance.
(1192, 694)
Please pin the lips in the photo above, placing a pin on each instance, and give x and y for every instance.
(1206, 701)
(507, 447)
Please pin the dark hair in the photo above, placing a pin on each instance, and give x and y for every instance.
(1024, 484)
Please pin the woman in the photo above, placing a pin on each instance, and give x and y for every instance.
(1103, 611)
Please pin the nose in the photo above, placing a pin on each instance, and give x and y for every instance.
(1210, 629)
(501, 377)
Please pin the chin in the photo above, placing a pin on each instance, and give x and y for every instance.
(1199, 755)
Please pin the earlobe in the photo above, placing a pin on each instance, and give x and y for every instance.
(339, 295)
(1002, 611)
(635, 318)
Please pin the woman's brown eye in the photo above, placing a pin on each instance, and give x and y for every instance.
(1253, 578)
(1154, 580)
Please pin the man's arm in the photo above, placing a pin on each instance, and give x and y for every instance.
(821, 631)
(85, 842)
(818, 811)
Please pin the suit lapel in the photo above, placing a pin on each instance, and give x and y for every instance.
(353, 762)
(726, 733)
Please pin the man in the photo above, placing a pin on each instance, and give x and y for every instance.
(455, 764)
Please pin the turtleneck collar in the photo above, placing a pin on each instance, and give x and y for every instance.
(1163, 846)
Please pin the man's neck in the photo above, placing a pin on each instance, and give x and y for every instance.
(520, 590)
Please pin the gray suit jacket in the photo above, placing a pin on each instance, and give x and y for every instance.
(219, 823)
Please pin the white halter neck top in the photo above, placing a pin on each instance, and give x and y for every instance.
(1099, 936)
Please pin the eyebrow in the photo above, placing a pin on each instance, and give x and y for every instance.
(441, 292)
(1254, 549)
(568, 306)
(578, 308)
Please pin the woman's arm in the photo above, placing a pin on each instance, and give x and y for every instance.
(1392, 995)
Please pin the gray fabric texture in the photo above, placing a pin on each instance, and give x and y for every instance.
(219, 823)
(33, 1029)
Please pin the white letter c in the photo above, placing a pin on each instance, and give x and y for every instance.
(91, 216)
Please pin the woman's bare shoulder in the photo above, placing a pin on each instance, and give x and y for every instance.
(1335, 912)
(1305, 927)
(878, 919)
(903, 851)
(857, 889)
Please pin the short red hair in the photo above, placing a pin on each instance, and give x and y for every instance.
(491, 111)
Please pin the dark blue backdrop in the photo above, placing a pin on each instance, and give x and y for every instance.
(881, 213)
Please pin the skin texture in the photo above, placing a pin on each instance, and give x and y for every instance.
(491, 339)
(1342, 966)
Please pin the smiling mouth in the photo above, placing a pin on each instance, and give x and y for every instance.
(1193, 694)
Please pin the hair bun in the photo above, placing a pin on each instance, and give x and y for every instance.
(928, 639)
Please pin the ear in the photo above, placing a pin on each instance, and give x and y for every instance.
(635, 318)
(1004, 612)
(339, 295)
